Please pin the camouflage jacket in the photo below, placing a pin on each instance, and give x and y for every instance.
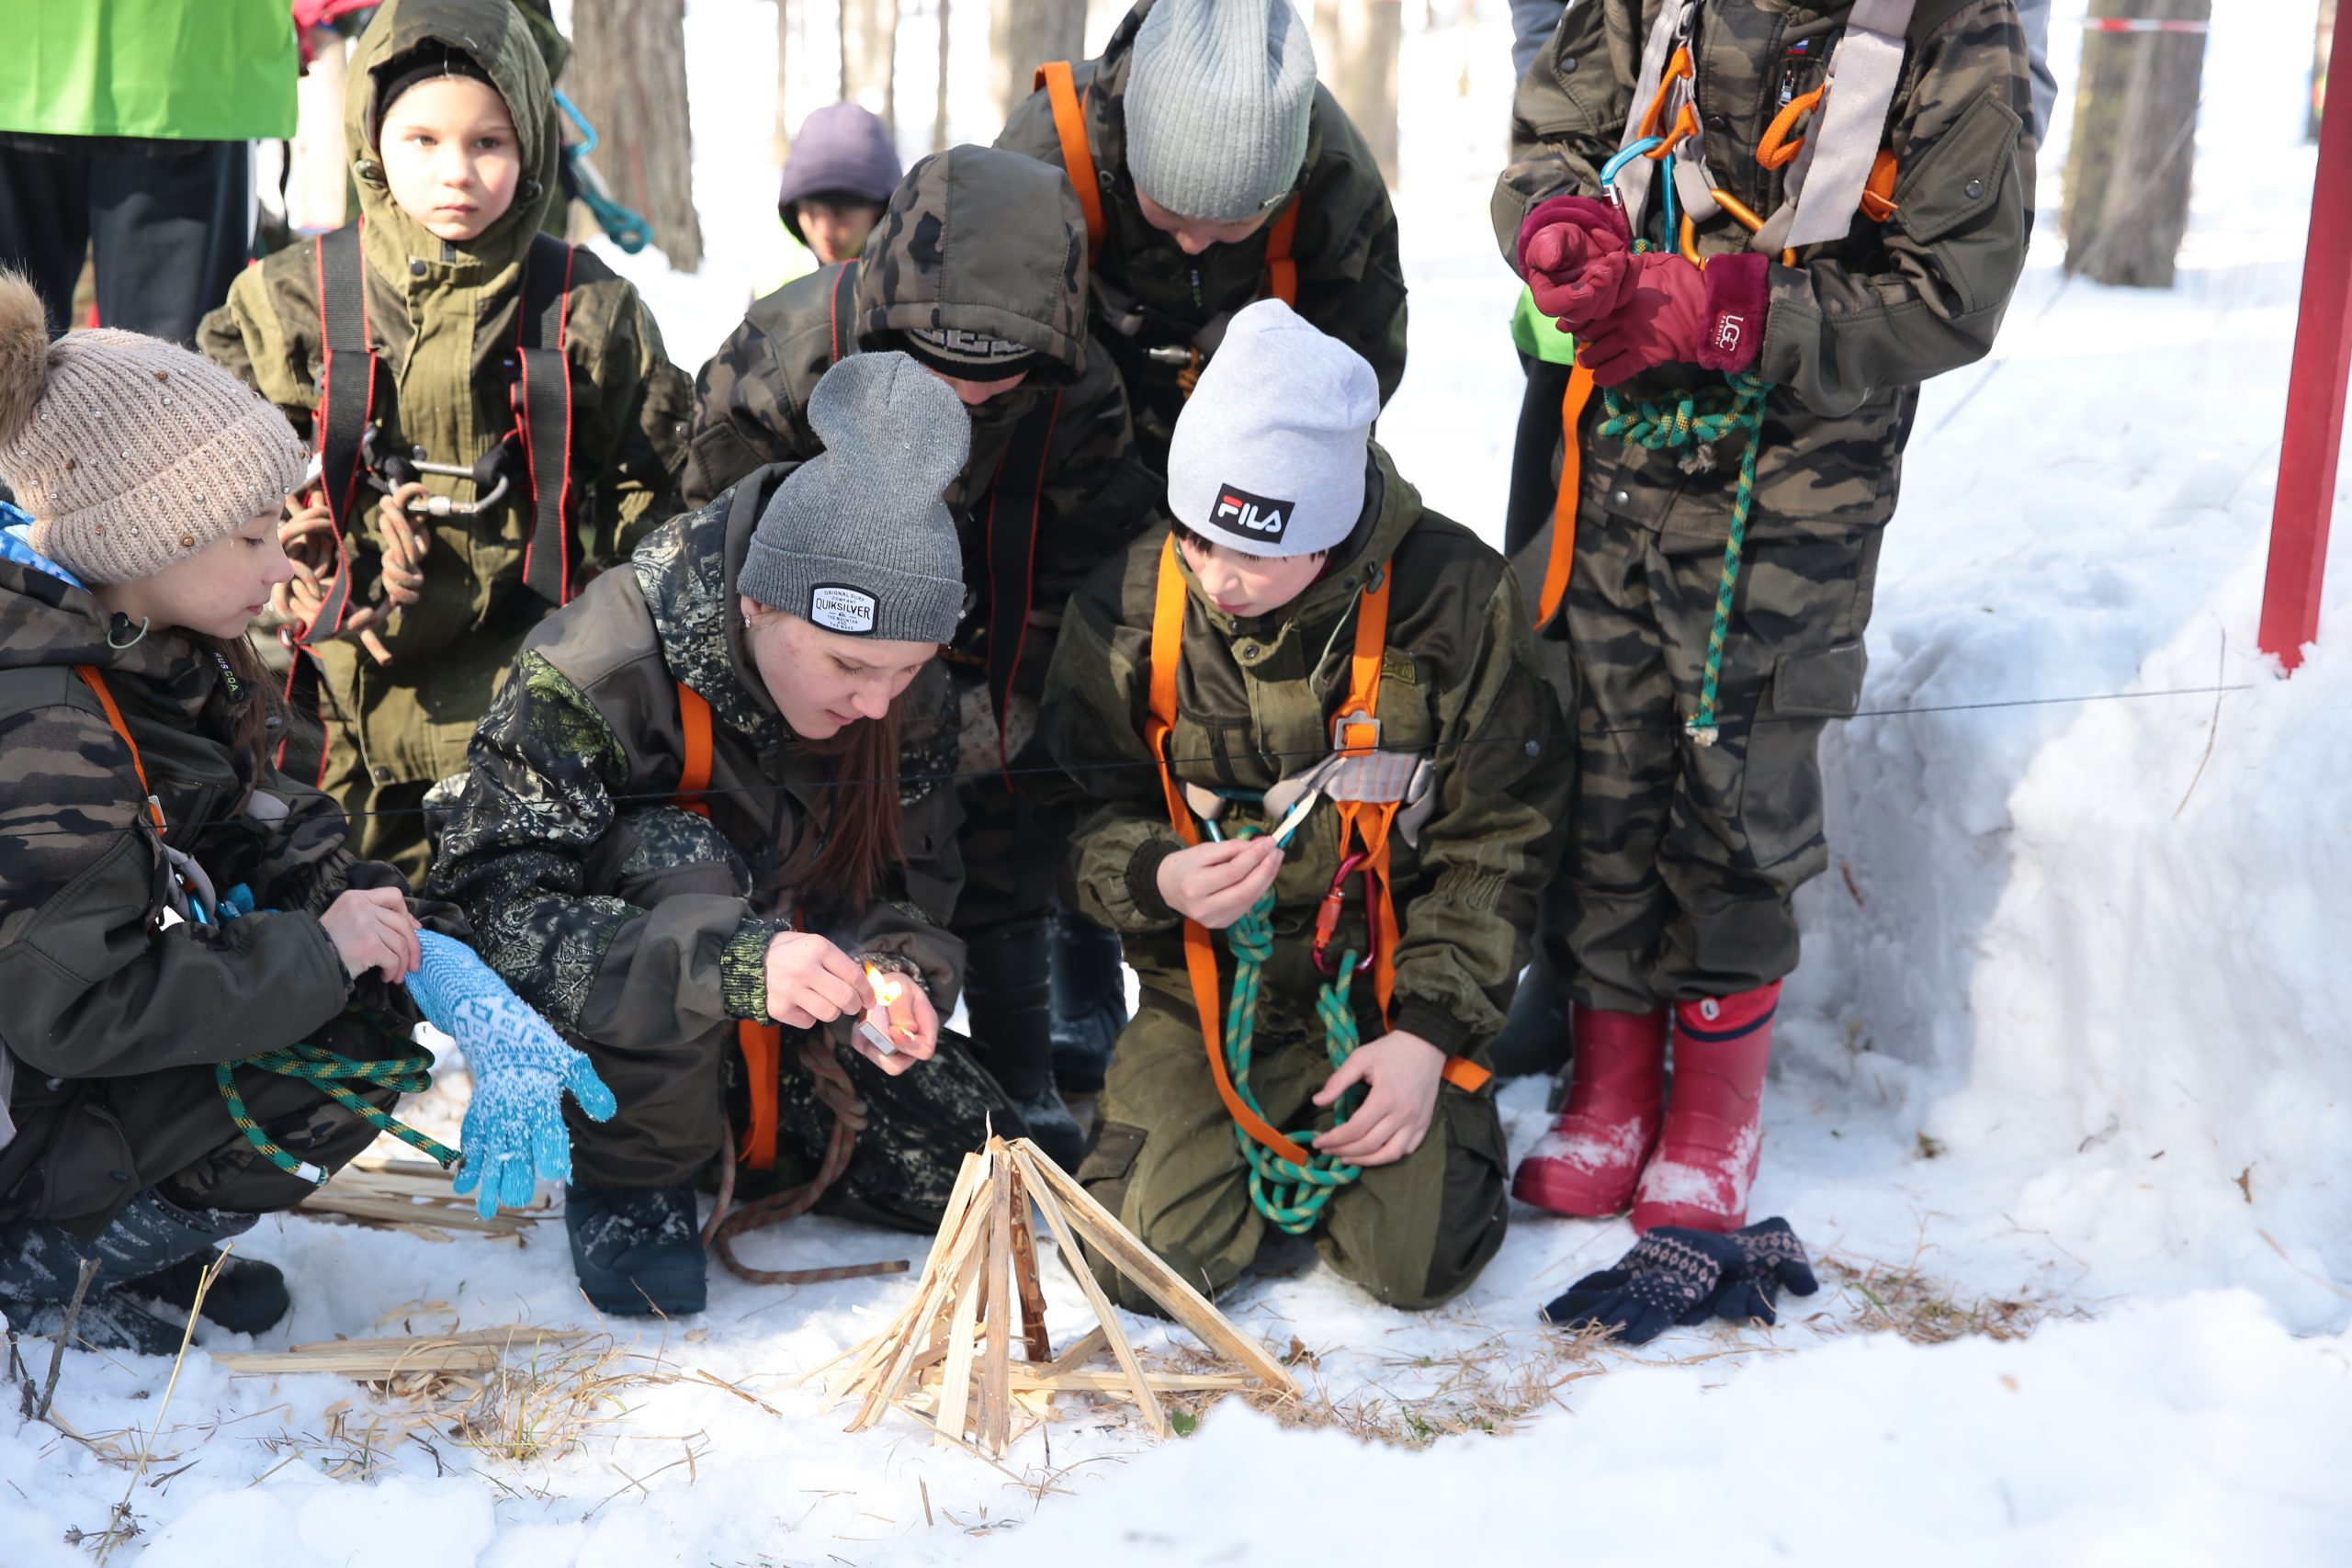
(1148, 293)
(1459, 683)
(444, 319)
(1854, 326)
(584, 744)
(1018, 273)
(107, 976)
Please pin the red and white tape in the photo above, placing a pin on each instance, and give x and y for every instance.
(2141, 24)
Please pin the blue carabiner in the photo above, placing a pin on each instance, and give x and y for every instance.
(1626, 154)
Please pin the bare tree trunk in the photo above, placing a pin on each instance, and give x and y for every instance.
(780, 143)
(869, 49)
(1025, 34)
(628, 75)
(939, 106)
(320, 178)
(1356, 42)
(2323, 32)
(2135, 117)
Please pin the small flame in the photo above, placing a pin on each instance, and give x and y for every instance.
(888, 989)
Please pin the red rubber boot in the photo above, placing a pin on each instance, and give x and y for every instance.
(1588, 1163)
(1714, 1129)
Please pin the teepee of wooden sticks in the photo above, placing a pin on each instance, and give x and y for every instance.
(947, 1358)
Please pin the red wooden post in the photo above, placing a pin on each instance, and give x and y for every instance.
(2315, 389)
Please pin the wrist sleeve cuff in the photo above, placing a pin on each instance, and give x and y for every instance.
(1738, 291)
(1143, 878)
(1432, 1023)
(743, 970)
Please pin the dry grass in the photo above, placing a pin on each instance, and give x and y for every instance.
(1905, 1300)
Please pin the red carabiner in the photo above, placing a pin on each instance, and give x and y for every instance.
(1326, 913)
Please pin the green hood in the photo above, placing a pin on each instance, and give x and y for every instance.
(500, 39)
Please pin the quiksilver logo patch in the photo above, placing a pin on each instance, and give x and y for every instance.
(840, 608)
(1254, 516)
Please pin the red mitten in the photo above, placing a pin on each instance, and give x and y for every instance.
(1558, 245)
(1667, 310)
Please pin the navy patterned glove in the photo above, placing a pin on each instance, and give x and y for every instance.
(1671, 1277)
(1772, 1259)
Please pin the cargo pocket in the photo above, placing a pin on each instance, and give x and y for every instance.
(1472, 1211)
(1959, 180)
(1779, 804)
(1110, 1163)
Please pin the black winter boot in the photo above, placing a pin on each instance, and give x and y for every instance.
(1010, 997)
(637, 1250)
(1536, 1036)
(248, 1296)
(41, 1261)
(1089, 1000)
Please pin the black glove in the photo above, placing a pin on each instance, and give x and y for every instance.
(1772, 1259)
(1672, 1276)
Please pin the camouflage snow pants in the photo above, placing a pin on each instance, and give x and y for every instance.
(1164, 1159)
(1682, 859)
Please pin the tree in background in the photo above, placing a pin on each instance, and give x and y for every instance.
(2323, 31)
(1023, 35)
(629, 76)
(2135, 128)
(1356, 43)
(869, 51)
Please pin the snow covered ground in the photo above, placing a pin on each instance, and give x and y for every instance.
(2065, 1066)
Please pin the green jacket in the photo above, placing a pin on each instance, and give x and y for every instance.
(173, 70)
(988, 242)
(1459, 683)
(1854, 326)
(575, 762)
(116, 1015)
(445, 316)
(1148, 292)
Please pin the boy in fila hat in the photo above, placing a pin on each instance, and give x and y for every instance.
(1325, 773)
(978, 272)
(1214, 171)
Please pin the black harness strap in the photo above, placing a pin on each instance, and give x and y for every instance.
(1019, 496)
(545, 415)
(843, 314)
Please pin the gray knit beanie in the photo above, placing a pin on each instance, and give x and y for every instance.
(1219, 97)
(1268, 453)
(130, 452)
(857, 540)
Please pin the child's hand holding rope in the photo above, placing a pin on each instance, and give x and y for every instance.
(308, 535)
(1403, 1071)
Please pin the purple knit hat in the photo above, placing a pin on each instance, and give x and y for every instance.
(840, 148)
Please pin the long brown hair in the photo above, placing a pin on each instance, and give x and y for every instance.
(862, 839)
(254, 734)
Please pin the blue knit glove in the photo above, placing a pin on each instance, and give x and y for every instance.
(513, 1131)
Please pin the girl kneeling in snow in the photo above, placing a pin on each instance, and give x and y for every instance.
(712, 813)
(138, 782)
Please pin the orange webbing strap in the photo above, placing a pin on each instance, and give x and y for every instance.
(1282, 272)
(1078, 159)
(763, 1047)
(97, 683)
(693, 774)
(1562, 560)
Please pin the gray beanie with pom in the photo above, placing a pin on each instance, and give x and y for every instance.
(1218, 100)
(857, 540)
(130, 452)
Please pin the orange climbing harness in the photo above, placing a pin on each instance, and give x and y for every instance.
(761, 1043)
(1355, 732)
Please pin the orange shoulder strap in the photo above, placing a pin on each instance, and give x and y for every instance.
(1078, 159)
(693, 774)
(762, 1048)
(97, 683)
(1562, 560)
(1282, 272)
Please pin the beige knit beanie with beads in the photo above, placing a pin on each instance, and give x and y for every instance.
(130, 452)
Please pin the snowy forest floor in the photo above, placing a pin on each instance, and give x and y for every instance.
(2059, 1105)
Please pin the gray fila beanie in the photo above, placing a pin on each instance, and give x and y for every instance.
(857, 540)
(1219, 97)
(1269, 454)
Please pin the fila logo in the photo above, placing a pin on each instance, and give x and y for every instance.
(1729, 330)
(1256, 516)
(840, 608)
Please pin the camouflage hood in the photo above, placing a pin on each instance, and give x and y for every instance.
(1019, 272)
(500, 39)
(686, 570)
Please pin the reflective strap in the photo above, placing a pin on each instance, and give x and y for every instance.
(840, 319)
(1844, 142)
(347, 403)
(1282, 272)
(302, 754)
(693, 774)
(762, 1048)
(1562, 560)
(97, 683)
(546, 414)
(1078, 159)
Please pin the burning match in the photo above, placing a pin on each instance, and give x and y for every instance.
(887, 990)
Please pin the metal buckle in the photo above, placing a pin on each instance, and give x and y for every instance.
(1341, 723)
